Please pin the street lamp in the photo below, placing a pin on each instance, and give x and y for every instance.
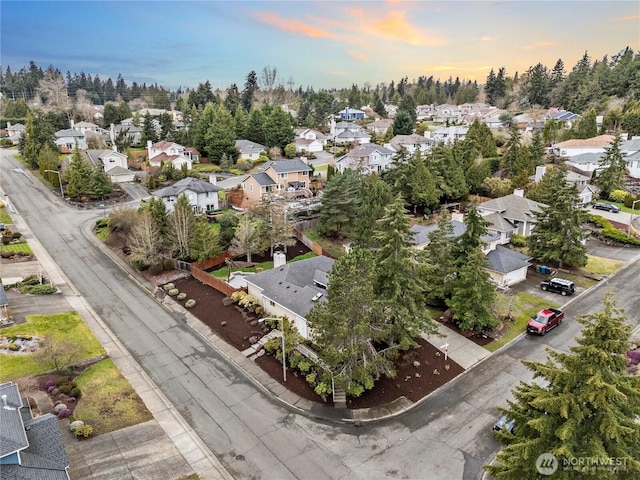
(59, 180)
(633, 207)
(284, 352)
(104, 212)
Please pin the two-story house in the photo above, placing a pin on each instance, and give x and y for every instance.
(366, 159)
(282, 178)
(308, 140)
(15, 132)
(510, 214)
(163, 152)
(113, 163)
(411, 143)
(202, 196)
(68, 139)
(447, 135)
(348, 132)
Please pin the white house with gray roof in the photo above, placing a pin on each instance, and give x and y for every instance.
(411, 143)
(30, 448)
(366, 159)
(202, 196)
(250, 150)
(113, 163)
(510, 214)
(292, 289)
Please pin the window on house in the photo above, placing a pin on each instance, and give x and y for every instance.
(251, 187)
(283, 175)
(305, 174)
(272, 303)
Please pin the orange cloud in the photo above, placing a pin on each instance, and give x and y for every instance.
(394, 25)
(533, 46)
(361, 57)
(292, 26)
(630, 17)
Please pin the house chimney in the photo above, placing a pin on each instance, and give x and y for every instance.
(8, 125)
(149, 149)
(540, 171)
(519, 192)
(4, 401)
(71, 124)
(279, 259)
(212, 179)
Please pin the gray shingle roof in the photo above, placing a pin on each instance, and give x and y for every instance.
(421, 232)
(632, 145)
(263, 179)
(69, 133)
(585, 158)
(247, 146)
(504, 260)
(294, 285)
(513, 207)
(12, 435)
(286, 166)
(189, 183)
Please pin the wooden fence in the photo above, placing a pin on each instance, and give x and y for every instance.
(199, 272)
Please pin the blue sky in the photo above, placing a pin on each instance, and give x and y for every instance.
(322, 44)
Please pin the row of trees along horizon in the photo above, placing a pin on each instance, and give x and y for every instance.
(588, 84)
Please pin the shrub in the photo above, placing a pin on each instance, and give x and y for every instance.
(294, 360)
(304, 366)
(259, 310)
(75, 424)
(617, 196)
(628, 200)
(190, 303)
(311, 378)
(238, 296)
(518, 240)
(64, 413)
(6, 142)
(75, 393)
(168, 263)
(156, 268)
(634, 357)
(44, 289)
(323, 389)
(182, 296)
(84, 431)
(49, 383)
(14, 347)
(102, 223)
(248, 302)
(139, 265)
(168, 286)
(272, 345)
(173, 292)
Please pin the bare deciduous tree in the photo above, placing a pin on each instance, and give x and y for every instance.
(182, 222)
(146, 241)
(53, 92)
(247, 240)
(59, 353)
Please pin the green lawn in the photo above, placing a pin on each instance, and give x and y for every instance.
(65, 328)
(4, 216)
(108, 401)
(333, 247)
(17, 247)
(602, 266)
(523, 306)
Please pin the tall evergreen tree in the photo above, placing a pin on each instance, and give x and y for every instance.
(398, 283)
(440, 269)
(558, 234)
(375, 196)
(30, 148)
(339, 205)
(220, 138)
(403, 123)
(204, 242)
(422, 187)
(512, 150)
(249, 91)
(473, 294)
(613, 166)
(99, 184)
(349, 325)
(77, 174)
(256, 126)
(584, 411)
(278, 128)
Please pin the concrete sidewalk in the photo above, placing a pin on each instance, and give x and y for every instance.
(460, 349)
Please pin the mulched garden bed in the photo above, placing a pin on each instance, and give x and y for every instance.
(419, 371)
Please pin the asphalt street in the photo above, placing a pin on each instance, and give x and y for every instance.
(446, 437)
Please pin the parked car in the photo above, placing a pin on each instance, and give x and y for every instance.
(609, 207)
(545, 320)
(559, 285)
(505, 423)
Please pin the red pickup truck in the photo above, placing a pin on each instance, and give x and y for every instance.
(545, 320)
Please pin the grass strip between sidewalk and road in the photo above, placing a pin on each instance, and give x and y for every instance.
(108, 401)
(17, 248)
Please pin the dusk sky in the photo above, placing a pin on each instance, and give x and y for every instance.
(323, 44)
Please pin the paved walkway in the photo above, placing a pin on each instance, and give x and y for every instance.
(460, 349)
